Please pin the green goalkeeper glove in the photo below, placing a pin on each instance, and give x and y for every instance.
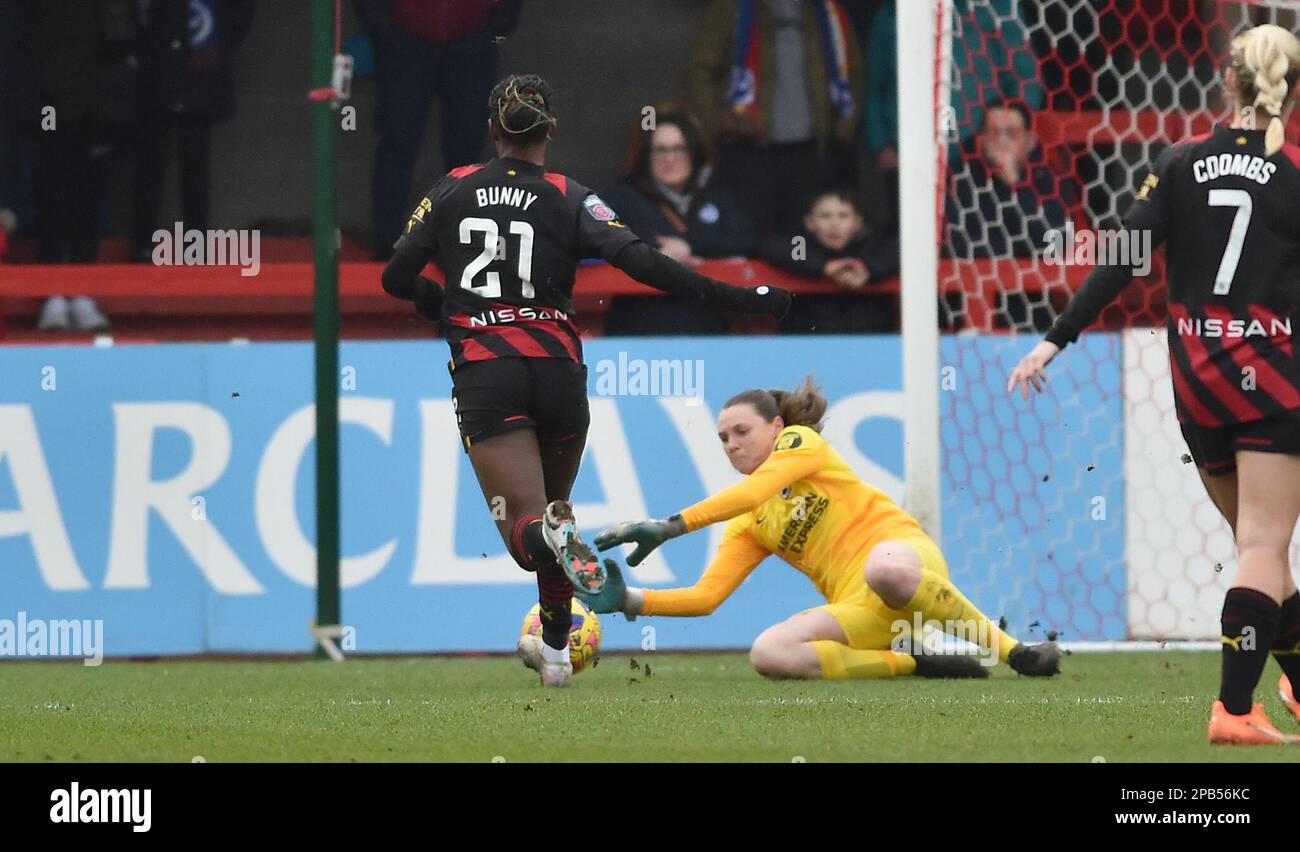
(612, 596)
(646, 535)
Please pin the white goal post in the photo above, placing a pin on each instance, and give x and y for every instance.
(918, 237)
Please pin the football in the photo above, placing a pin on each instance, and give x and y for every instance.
(584, 635)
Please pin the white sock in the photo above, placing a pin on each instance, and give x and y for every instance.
(554, 655)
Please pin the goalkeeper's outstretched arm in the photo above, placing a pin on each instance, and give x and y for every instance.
(778, 471)
(736, 558)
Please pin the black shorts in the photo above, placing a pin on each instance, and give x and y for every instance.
(547, 395)
(1215, 448)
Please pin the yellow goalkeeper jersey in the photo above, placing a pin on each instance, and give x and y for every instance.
(803, 504)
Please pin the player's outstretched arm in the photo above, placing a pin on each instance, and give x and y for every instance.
(1149, 214)
(1031, 370)
(657, 270)
(1098, 290)
(785, 466)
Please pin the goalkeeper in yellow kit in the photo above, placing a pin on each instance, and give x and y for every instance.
(871, 560)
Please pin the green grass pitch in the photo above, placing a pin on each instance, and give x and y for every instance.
(711, 707)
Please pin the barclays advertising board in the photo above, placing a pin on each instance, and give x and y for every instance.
(167, 490)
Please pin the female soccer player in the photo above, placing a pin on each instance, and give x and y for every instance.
(508, 236)
(871, 560)
(1226, 204)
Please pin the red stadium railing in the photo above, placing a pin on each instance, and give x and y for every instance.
(209, 301)
(1092, 127)
(287, 287)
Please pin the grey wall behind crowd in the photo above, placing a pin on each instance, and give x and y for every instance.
(605, 61)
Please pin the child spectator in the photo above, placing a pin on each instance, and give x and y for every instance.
(836, 245)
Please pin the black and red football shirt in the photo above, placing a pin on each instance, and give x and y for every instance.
(1230, 218)
(508, 236)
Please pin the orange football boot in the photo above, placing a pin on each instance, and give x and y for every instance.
(1253, 728)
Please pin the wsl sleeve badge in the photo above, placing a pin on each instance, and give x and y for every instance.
(788, 440)
(600, 211)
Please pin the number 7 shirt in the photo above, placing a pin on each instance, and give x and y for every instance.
(1229, 216)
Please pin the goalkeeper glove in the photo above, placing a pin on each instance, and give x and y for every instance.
(646, 535)
(613, 595)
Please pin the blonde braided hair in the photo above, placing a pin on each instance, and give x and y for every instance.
(1266, 60)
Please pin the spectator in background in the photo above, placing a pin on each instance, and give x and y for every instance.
(87, 72)
(1004, 197)
(837, 245)
(668, 195)
(20, 109)
(991, 57)
(425, 48)
(880, 117)
(669, 199)
(777, 82)
(186, 86)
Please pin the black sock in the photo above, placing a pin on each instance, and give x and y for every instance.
(1286, 650)
(555, 592)
(1250, 627)
(557, 618)
(528, 544)
(534, 541)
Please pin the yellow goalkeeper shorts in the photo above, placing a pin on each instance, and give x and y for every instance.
(867, 621)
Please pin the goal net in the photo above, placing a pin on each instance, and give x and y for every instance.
(1076, 511)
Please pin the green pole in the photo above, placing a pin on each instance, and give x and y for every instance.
(325, 257)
